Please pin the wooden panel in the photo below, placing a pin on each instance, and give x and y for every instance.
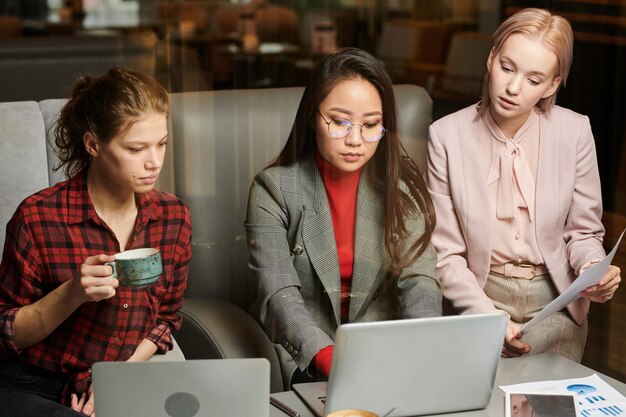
(615, 224)
(606, 343)
(595, 21)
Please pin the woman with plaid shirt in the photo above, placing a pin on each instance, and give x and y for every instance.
(61, 310)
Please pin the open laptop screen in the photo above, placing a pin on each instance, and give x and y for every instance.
(200, 388)
(414, 366)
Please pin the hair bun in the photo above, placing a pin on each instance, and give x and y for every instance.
(81, 85)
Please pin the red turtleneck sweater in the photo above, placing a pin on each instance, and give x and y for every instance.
(341, 191)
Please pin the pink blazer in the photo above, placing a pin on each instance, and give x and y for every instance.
(568, 205)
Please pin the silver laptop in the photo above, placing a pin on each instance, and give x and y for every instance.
(199, 388)
(411, 367)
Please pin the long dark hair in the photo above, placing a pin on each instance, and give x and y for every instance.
(104, 106)
(389, 167)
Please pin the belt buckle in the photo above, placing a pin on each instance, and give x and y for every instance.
(533, 272)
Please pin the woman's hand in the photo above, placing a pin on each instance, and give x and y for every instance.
(84, 404)
(94, 281)
(604, 290)
(513, 345)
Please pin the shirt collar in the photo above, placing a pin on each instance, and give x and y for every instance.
(81, 209)
(149, 207)
(521, 133)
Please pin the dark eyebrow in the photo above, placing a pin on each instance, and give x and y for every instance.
(141, 142)
(348, 112)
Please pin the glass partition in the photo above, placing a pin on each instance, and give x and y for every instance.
(441, 45)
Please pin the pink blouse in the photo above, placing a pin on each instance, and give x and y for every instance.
(511, 173)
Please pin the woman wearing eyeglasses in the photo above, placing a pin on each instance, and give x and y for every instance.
(339, 225)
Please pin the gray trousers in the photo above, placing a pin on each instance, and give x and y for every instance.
(523, 299)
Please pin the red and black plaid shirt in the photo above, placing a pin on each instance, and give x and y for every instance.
(49, 237)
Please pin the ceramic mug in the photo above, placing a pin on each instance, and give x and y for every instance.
(137, 267)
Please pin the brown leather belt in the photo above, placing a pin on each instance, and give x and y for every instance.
(521, 270)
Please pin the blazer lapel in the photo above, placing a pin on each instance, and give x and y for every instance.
(369, 248)
(547, 189)
(318, 236)
(475, 196)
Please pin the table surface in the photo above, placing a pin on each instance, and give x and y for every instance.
(545, 366)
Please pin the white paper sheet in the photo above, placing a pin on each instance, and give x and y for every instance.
(590, 277)
(595, 397)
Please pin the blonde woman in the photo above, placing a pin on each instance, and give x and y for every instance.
(516, 189)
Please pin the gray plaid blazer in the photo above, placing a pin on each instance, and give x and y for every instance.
(293, 258)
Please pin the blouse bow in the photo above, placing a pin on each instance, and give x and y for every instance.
(511, 168)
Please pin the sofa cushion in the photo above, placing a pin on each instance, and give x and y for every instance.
(23, 161)
(50, 112)
(221, 139)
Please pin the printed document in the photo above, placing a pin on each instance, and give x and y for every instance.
(590, 277)
(595, 397)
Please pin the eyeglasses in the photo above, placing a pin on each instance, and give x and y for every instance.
(340, 128)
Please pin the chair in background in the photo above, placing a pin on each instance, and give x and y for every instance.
(185, 46)
(10, 27)
(273, 23)
(179, 65)
(233, 65)
(407, 44)
(277, 24)
(460, 82)
(345, 21)
(197, 12)
(201, 50)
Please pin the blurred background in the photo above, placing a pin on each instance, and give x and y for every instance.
(442, 45)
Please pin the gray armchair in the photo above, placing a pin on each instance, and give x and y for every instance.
(221, 139)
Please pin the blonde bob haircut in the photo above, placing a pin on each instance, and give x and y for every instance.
(553, 31)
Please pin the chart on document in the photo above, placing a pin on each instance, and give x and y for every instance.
(592, 404)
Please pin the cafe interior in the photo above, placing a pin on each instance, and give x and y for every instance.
(438, 45)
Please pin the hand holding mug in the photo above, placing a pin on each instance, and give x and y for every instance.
(94, 281)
